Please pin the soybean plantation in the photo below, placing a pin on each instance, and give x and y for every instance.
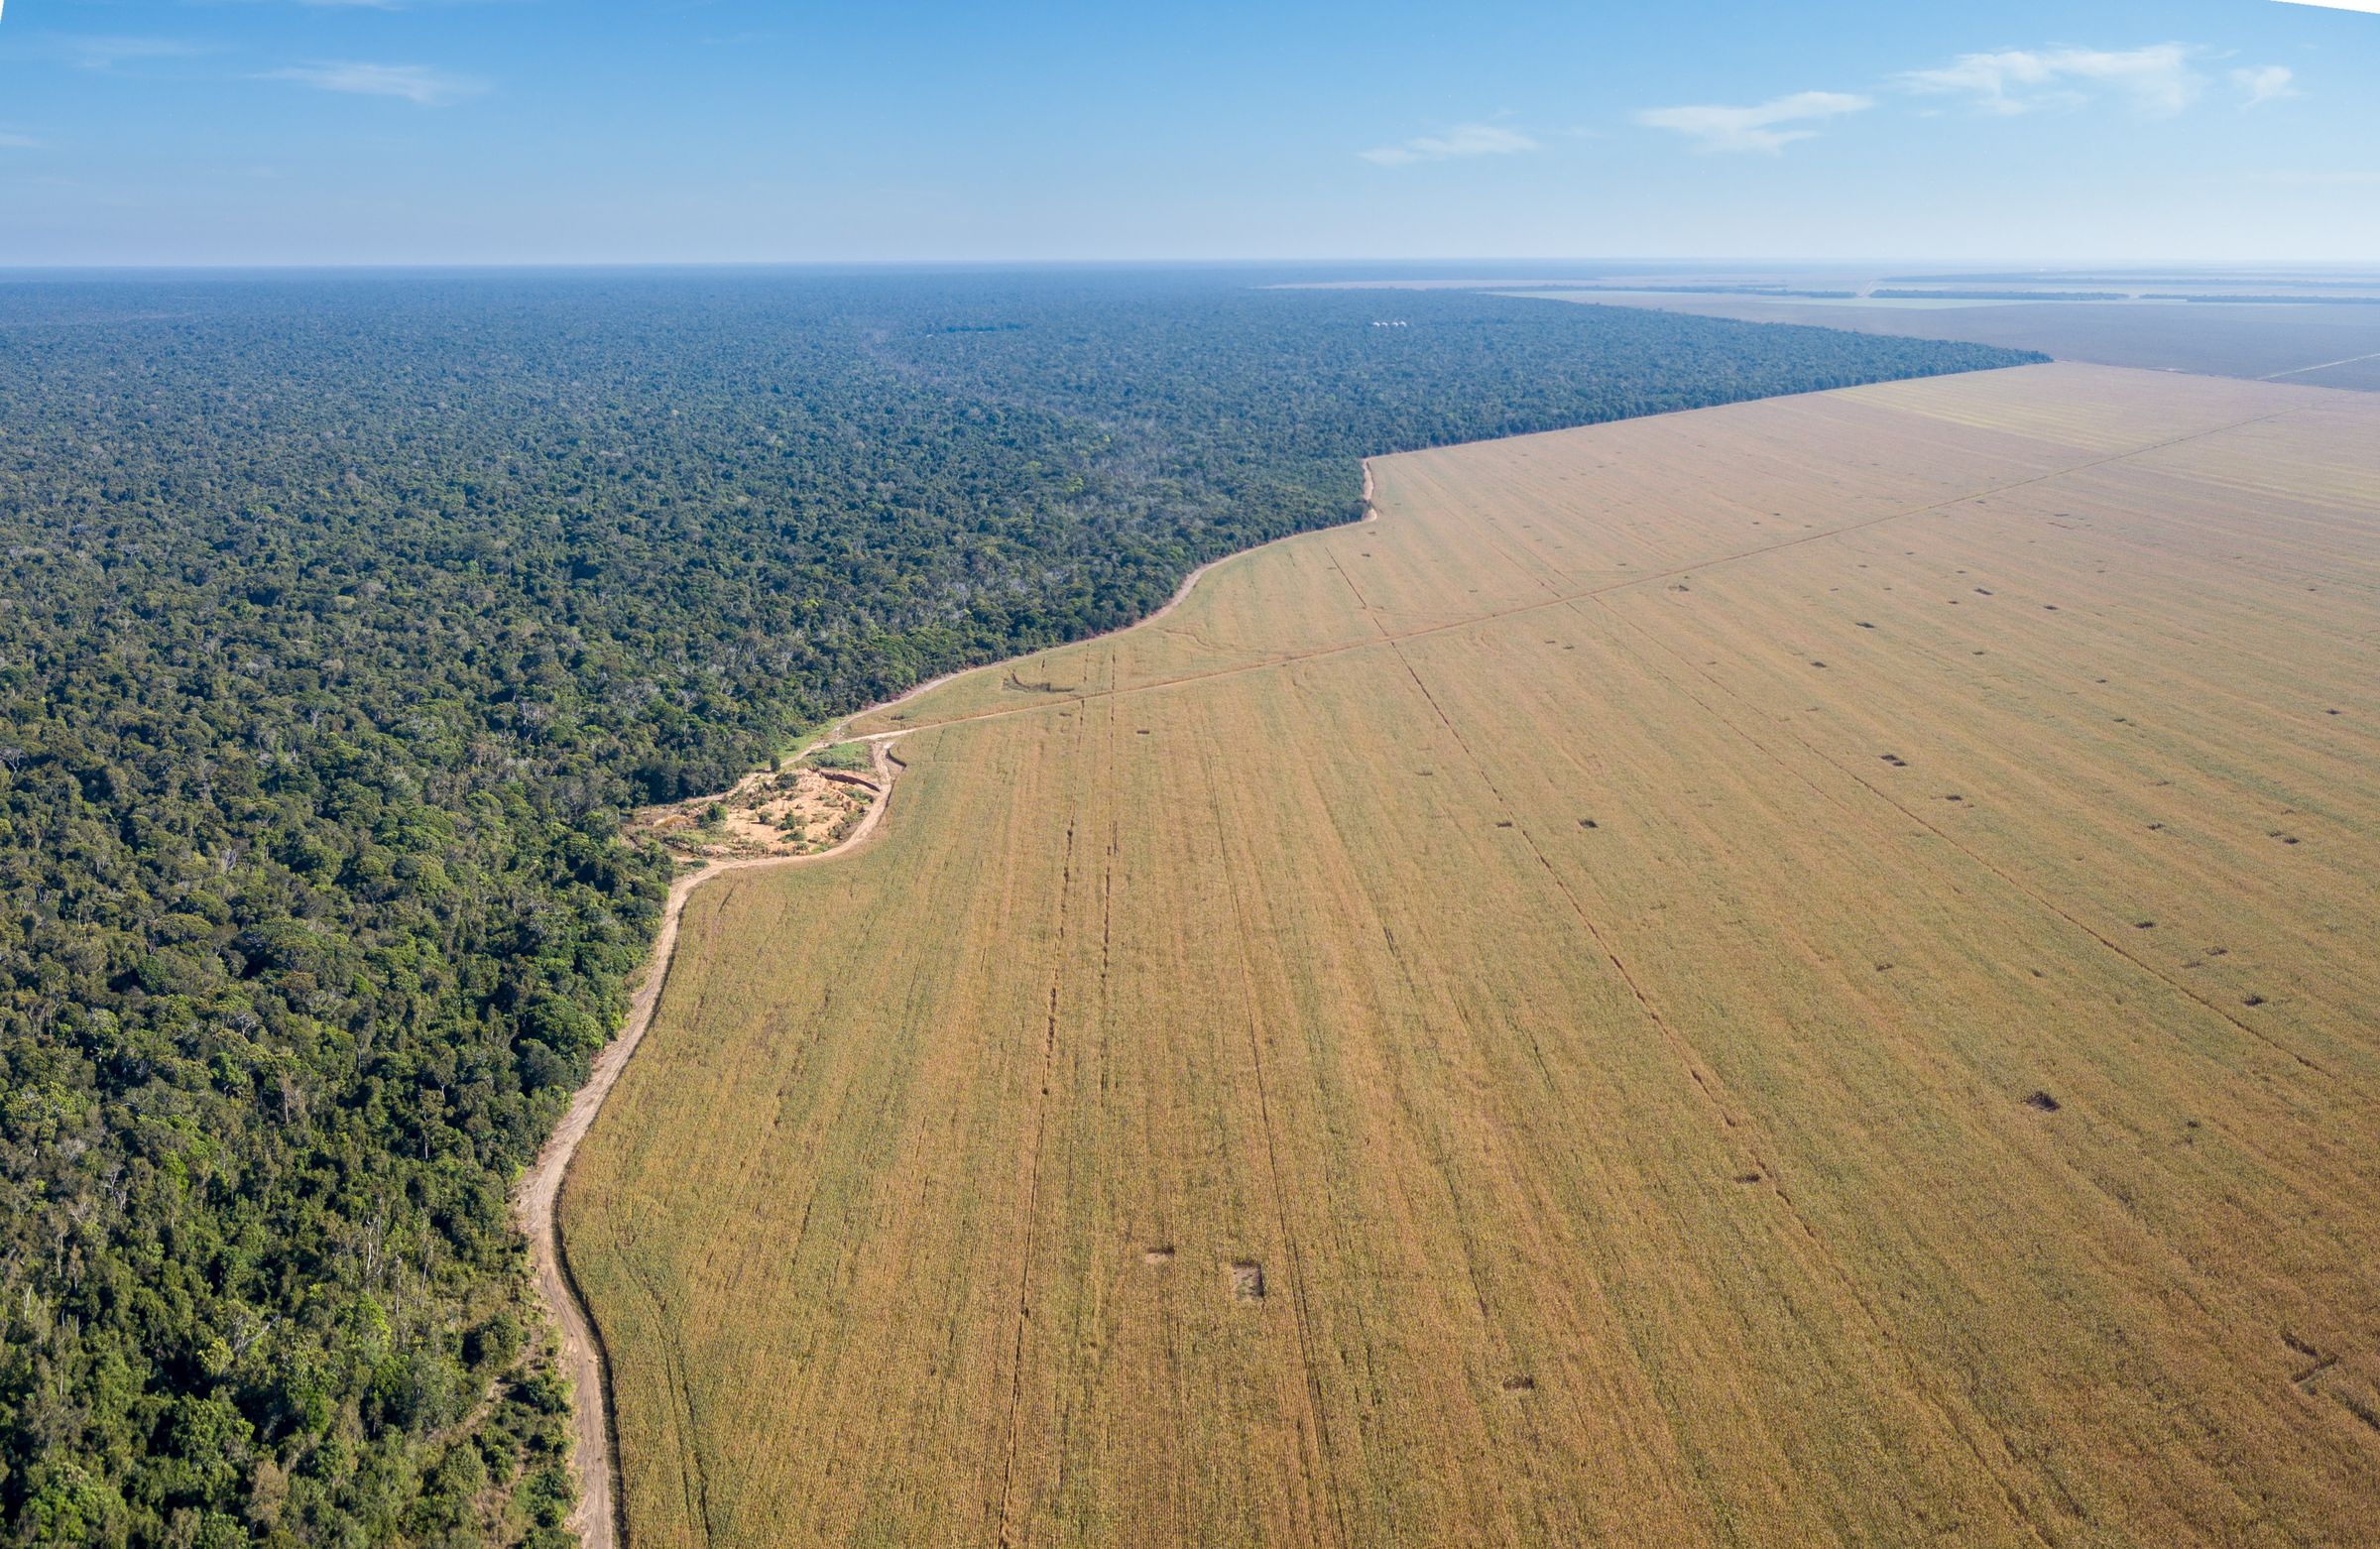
(1796, 972)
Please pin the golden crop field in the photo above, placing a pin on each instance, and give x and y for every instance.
(1802, 972)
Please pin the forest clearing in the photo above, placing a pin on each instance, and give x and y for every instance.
(803, 809)
(1794, 972)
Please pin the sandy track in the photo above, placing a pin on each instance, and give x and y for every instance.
(2325, 366)
(536, 1198)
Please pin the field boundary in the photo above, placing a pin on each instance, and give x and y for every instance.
(600, 1518)
(1558, 599)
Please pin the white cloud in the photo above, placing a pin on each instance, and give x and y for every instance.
(416, 83)
(9, 142)
(2159, 80)
(2371, 6)
(2265, 84)
(1461, 141)
(1769, 127)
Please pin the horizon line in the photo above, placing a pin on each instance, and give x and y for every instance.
(2047, 266)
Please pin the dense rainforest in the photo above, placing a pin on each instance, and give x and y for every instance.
(343, 619)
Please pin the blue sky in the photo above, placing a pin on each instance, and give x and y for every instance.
(533, 130)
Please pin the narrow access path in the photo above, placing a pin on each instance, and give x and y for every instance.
(536, 1198)
(2299, 370)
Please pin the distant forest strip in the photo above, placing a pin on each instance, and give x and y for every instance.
(1890, 293)
(1778, 291)
(341, 620)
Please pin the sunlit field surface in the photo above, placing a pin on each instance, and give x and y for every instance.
(2333, 346)
(1799, 972)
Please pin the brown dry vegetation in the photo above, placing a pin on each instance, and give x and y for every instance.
(1800, 972)
(799, 809)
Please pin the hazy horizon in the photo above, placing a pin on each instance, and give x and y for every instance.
(1488, 269)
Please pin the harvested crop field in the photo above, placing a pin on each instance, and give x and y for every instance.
(2335, 346)
(1794, 973)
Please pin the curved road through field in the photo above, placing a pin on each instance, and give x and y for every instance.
(583, 1358)
(536, 1198)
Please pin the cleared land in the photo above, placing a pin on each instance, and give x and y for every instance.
(803, 809)
(2313, 345)
(1800, 972)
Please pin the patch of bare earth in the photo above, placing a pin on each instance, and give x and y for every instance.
(797, 811)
